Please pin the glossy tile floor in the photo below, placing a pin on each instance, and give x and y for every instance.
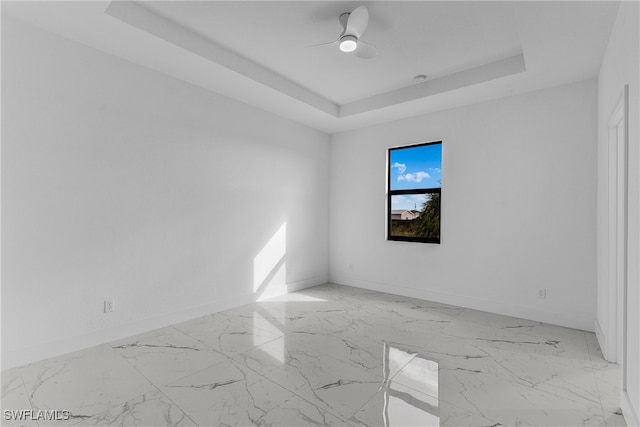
(330, 355)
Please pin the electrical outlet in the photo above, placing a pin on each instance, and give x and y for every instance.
(542, 293)
(108, 305)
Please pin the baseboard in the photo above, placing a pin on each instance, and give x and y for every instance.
(275, 291)
(569, 320)
(629, 413)
(602, 341)
(14, 358)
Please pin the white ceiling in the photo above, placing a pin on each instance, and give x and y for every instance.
(257, 51)
(413, 38)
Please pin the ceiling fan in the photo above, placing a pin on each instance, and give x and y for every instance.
(354, 24)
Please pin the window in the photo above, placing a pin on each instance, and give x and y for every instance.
(413, 193)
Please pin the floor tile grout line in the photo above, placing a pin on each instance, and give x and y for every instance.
(186, 414)
(220, 351)
(192, 337)
(349, 361)
(360, 368)
(290, 390)
(183, 376)
(336, 413)
(153, 384)
(191, 372)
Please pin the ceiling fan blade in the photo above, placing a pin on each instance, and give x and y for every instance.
(357, 22)
(365, 50)
(324, 44)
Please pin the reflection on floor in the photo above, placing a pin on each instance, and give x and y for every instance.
(416, 404)
(329, 355)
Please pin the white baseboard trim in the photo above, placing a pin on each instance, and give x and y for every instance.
(602, 341)
(630, 413)
(14, 358)
(568, 319)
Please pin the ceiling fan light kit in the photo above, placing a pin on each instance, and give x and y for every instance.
(348, 43)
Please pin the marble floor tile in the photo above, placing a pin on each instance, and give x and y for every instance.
(408, 398)
(376, 357)
(364, 353)
(497, 321)
(292, 305)
(152, 408)
(608, 381)
(406, 307)
(380, 325)
(332, 321)
(227, 394)
(519, 335)
(230, 335)
(454, 416)
(332, 291)
(331, 355)
(398, 405)
(510, 398)
(84, 383)
(297, 412)
(335, 386)
(443, 348)
(420, 374)
(285, 317)
(497, 326)
(14, 397)
(595, 353)
(166, 354)
(273, 314)
(312, 295)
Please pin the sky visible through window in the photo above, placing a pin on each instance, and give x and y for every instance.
(411, 168)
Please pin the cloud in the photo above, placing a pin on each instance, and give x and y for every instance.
(401, 167)
(414, 177)
(436, 170)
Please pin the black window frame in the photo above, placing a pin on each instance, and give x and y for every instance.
(391, 193)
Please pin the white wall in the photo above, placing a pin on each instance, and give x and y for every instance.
(518, 208)
(120, 182)
(620, 67)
